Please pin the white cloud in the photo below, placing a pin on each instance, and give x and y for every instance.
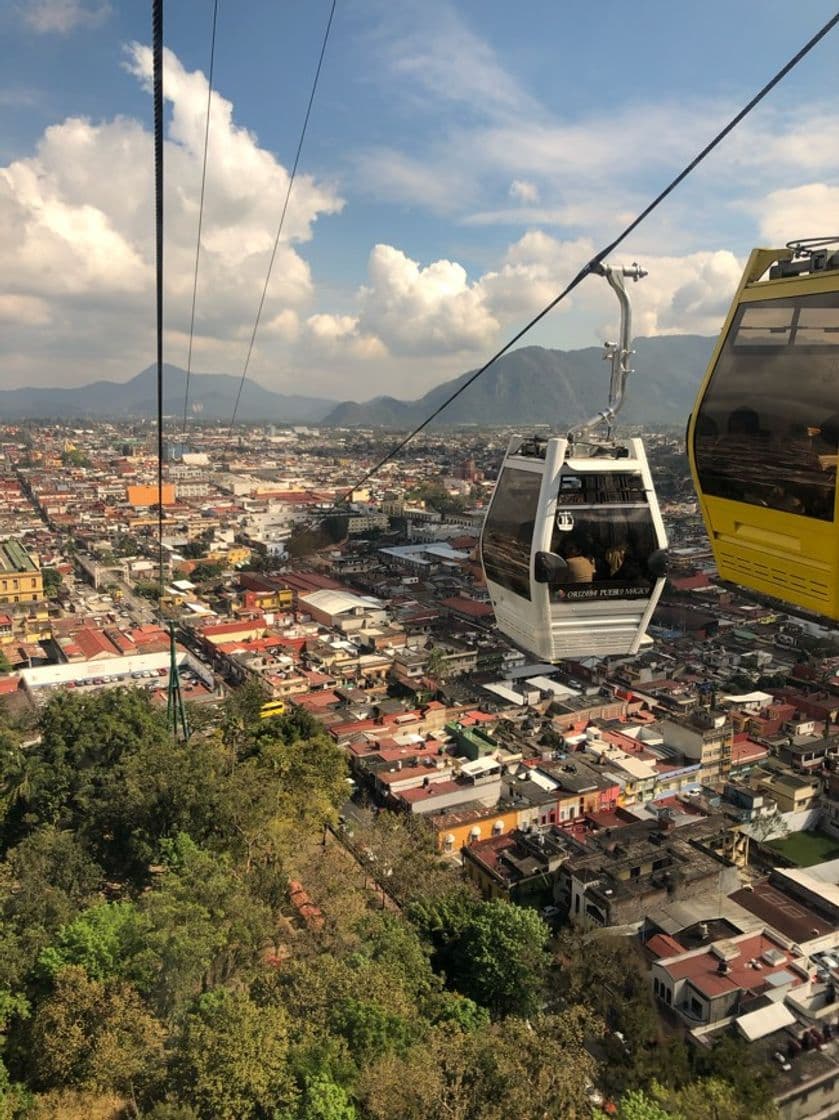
(811, 210)
(523, 191)
(430, 46)
(76, 240)
(685, 295)
(416, 310)
(680, 295)
(63, 16)
(532, 273)
(27, 310)
(343, 335)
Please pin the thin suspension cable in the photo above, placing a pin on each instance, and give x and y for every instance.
(157, 86)
(201, 206)
(598, 258)
(282, 215)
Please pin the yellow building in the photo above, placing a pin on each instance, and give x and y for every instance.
(20, 575)
(230, 557)
(456, 830)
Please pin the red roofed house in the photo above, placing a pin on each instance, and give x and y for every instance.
(726, 978)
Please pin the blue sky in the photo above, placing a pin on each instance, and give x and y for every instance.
(463, 160)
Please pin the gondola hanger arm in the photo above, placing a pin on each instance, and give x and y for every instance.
(618, 353)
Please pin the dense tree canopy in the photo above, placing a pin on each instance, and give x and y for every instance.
(153, 962)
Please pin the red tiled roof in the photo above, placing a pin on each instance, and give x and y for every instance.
(663, 945)
(467, 606)
(95, 642)
(233, 627)
(421, 793)
(702, 969)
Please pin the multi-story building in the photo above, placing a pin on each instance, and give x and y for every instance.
(706, 736)
(20, 575)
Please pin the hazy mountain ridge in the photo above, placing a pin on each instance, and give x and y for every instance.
(530, 385)
(138, 398)
(536, 385)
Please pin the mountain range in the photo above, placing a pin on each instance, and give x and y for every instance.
(532, 385)
(536, 386)
(137, 398)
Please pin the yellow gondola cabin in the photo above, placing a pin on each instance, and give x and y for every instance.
(763, 438)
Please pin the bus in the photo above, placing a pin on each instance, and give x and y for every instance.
(272, 708)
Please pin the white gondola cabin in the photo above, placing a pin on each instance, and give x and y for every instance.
(573, 548)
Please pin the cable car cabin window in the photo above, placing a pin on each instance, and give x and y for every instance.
(600, 489)
(508, 532)
(767, 432)
(606, 551)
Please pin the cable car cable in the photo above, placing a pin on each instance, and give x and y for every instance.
(599, 257)
(157, 86)
(283, 215)
(201, 206)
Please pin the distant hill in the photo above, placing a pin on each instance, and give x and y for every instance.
(534, 385)
(138, 397)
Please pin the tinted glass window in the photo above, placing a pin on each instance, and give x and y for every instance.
(767, 431)
(508, 530)
(606, 551)
(596, 489)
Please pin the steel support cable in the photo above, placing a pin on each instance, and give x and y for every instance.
(282, 215)
(598, 258)
(201, 207)
(157, 87)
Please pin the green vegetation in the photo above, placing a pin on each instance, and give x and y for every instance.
(807, 848)
(74, 459)
(327, 532)
(5, 664)
(52, 582)
(436, 497)
(152, 963)
(207, 570)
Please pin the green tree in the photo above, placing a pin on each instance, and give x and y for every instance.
(193, 550)
(527, 1070)
(202, 927)
(101, 940)
(205, 571)
(74, 458)
(13, 1096)
(109, 1041)
(171, 1110)
(636, 1105)
(732, 1060)
(52, 582)
(500, 959)
(711, 1098)
(325, 1099)
(5, 664)
(44, 882)
(231, 1059)
(493, 952)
